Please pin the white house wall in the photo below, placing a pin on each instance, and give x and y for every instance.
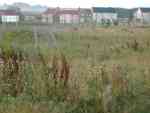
(44, 18)
(29, 18)
(10, 19)
(97, 17)
(62, 19)
(50, 18)
(146, 18)
(47, 18)
(68, 18)
(138, 14)
(75, 19)
(142, 16)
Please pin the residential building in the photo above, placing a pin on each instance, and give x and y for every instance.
(142, 15)
(85, 15)
(104, 15)
(125, 16)
(61, 15)
(51, 16)
(9, 16)
(69, 16)
(31, 17)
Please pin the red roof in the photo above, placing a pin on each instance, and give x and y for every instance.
(8, 12)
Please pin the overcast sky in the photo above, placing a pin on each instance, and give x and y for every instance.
(85, 3)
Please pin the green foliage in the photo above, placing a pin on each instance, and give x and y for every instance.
(16, 40)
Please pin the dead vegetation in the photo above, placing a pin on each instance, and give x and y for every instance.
(96, 72)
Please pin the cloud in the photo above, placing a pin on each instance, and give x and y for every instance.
(86, 3)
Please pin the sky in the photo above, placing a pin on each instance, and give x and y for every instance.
(85, 3)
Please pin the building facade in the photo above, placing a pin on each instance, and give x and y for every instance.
(103, 15)
(142, 15)
(69, 16)
(31, 17)
(85, 15)
(125, 16)
(61, 16)
(9, 16)
(51, 16)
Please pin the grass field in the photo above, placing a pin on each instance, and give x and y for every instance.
(84, 70)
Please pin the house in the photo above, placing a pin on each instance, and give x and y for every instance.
(51, 15)
(85, 15)
(69, 16)
(9, 16)
(31, 17)
(104, 15)
(142, 15)
(125, 16)
(61, 15)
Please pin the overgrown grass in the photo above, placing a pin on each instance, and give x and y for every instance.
(99, 70)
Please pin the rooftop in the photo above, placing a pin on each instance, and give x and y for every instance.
(85, 10)
(145, 9)
(62, 11)
(8, 12)
(69, 11)
(104, 9)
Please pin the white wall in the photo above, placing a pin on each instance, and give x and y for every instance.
(47, 18)
(65, 18)
(29, 18)
(142, 17)
(62, 19)
(75, 19)
(146, 18)
(50, 18)
(138, 14)
(97, 17)
(10, 19)
(44, 18)
(68, 18)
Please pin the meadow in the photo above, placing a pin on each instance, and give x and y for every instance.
(79, 70)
